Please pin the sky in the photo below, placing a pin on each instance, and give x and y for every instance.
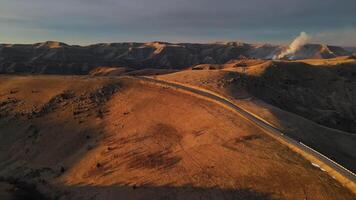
(255, 21)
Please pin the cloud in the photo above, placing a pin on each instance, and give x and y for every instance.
(171, 19)
(344, 37)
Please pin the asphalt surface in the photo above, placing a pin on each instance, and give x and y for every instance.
(269, 129)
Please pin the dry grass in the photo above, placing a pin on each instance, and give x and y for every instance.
(113, 138)
(233, 84)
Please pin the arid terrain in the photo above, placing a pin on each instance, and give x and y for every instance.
(291, 95)
(59, 58)
(106, 138)
(320, 90)
(76, 129)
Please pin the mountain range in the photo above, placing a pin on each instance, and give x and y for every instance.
(53, 57)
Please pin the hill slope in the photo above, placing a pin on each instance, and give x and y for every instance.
(84, 142)
(292, 96)
(320, 90)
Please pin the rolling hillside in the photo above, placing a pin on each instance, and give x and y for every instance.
(78, 138)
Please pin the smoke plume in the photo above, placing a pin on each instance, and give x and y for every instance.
(298, 42)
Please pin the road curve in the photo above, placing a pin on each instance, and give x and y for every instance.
(343, 175)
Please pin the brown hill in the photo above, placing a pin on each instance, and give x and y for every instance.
(117, 138)
(289, 95)
(320, 90)
(108, 71)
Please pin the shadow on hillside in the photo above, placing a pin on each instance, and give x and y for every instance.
(149, 191)
(25, 191)
(43, 140)
(38, 144)
(282, 90)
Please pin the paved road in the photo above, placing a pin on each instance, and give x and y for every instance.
(269, 129)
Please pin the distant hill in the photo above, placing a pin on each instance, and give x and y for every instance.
(319, 51)
(59, 58)
(350, 49)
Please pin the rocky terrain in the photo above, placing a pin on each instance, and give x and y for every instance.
(60, 58)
